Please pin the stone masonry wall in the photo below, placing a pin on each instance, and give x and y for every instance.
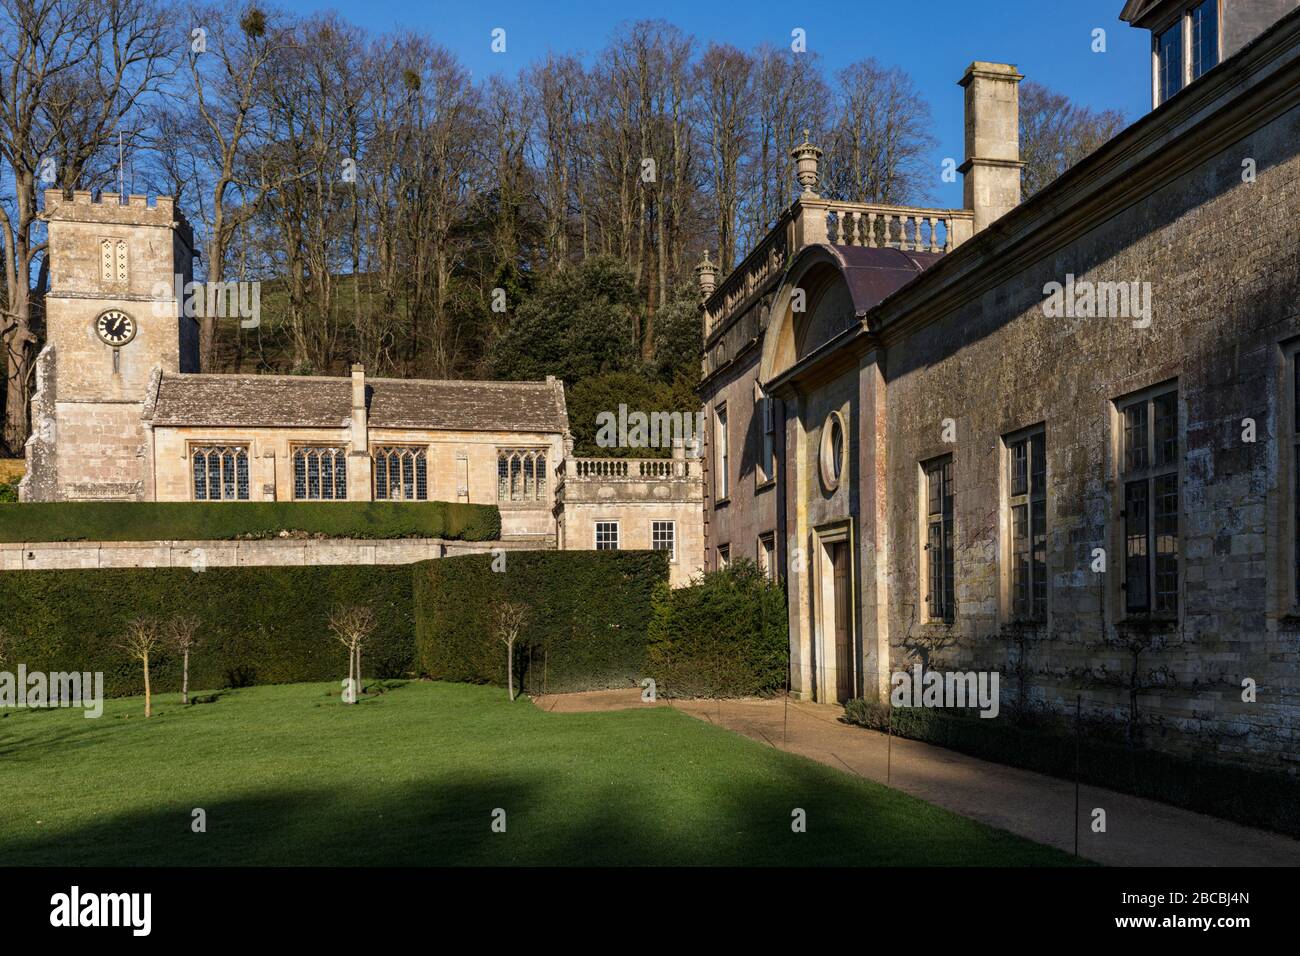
(1223, 259)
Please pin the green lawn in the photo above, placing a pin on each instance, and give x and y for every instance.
(290, 775)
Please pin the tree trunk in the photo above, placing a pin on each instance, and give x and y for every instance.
(148, 707)
(18, 369)
(510, 668)
(185, 677)
(360, 689)
(352, 684)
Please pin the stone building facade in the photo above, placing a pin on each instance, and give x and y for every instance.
(1064, 445)
(120, 411)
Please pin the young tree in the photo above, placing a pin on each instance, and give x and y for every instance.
(141, 640)
(352, 627)
(183, 634)
(508, 620)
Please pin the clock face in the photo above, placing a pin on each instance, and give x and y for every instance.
(115, 327)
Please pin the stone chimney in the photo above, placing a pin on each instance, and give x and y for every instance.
(359, 423)
(359, 439)
(992, 167)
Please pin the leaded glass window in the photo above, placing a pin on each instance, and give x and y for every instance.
(401, 473)
(220, 472)
(1027, 500)
(521, 474)
(940, 597)
(320, 473)
(1150, 516)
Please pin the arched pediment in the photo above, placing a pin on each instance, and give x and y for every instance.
(826, 289)
(812, 305)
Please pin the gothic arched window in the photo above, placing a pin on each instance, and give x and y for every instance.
(401, 473)
(220, 472)
(521, 474)
(320, 473)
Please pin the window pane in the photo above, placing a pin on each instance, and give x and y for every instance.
(663, 537)
(1205, 37)
(1165, 526)
(1020, 560)
(1170, 51)
(1135, 436)
(1038, 566)
(934, 589)
(1136, 557)
(949, 582)
(200, 477)
(1165, 409)
(1019, 469)
(1038, 466)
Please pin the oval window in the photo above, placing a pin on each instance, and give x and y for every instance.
(834, 449)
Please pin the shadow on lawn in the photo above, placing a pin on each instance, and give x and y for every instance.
(447, 822)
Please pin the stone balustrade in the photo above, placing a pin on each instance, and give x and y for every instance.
(628, 469)
(812, 219)
(894, 227)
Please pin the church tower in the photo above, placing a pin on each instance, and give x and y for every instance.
(112, 324)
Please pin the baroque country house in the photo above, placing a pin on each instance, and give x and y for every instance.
(120, 412)
(1095, 498)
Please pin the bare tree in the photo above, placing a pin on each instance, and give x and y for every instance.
(880, 133)
(141, 640)
(352, 627)
(790, 96)
(725, 93)
(1055, 133)
(183, 634)
(508, 620)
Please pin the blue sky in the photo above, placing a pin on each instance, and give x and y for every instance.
(1049, 40)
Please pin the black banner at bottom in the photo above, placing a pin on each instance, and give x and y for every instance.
(920, 907)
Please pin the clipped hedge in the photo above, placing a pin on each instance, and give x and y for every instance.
(228, 520)
(1248, 796)
(265, 625)
(726, 636)
(588, 614)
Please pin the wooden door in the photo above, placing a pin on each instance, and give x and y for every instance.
(843, 622)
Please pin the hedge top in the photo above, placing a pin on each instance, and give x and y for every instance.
(231, 520)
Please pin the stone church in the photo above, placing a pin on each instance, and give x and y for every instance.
(1057, 439)
(121, 412)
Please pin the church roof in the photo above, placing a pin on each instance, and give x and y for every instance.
(297, 401)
